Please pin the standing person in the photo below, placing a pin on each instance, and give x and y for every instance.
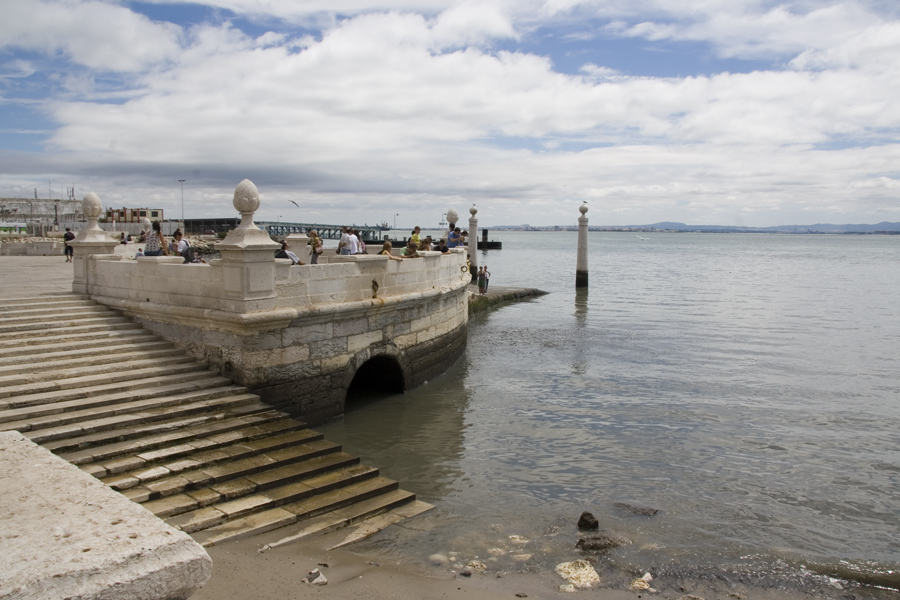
(156, 243)
(315, 247)
(68, 236)
(354, 242)
(415, 236)
(487, 278)
(361, 248)
(481, 281)
(344, 244)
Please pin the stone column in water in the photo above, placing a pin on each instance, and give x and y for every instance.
(473, 242)
(581, 262)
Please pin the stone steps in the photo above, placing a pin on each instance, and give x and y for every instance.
(132, 410)
(146, 436)
(35, 409)
(156, 350)
(60, 325)
(96, 449)
(70, 370)
(97, 339)
(44, 355)
(24, 385)
(57, 333)
(82, 312)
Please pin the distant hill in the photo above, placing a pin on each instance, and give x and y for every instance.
(817, 228)
(883, 227)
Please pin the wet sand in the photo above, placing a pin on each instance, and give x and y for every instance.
(241, 572)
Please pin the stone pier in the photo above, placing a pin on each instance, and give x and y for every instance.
(298, 335)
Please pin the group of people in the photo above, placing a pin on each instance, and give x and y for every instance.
(351, 242)
(483, 278)
(155, 245)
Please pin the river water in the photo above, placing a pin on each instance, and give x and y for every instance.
(744, 385)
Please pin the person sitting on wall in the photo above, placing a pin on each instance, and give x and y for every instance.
(156, 243)
(183, 249)
(410, 251)
(285, 253)
(454, 239)
(139, 253)
(441, 247)
(386, 251)
(124, 239)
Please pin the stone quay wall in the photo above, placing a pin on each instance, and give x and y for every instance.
(305, 330)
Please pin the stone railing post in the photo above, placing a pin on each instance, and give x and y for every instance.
(248, 257)
(88, 242)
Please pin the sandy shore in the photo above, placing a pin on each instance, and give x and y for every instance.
(242, 572)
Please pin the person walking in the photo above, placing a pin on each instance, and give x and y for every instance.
(68, 236)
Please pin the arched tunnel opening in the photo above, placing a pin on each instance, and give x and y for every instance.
(377, 377)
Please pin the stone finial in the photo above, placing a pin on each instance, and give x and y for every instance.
(452, 216)
(146, 225)
(246, 202)
(473, 211)
(92, 207)
(583, 208)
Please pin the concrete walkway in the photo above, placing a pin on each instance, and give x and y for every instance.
(24, 276)
(497, 296)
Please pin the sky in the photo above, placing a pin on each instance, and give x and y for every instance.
(716, 112)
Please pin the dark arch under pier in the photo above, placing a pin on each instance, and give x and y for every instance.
(378, 376)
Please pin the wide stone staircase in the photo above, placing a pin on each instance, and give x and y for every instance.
(204, 454)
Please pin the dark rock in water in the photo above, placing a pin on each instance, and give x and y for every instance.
(588, 521)
(638, 510)
(599, 542)
(466, 573)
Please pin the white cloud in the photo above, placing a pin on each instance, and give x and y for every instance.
(417, 112)
(94, 34)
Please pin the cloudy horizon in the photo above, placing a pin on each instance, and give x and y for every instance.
(711, 112)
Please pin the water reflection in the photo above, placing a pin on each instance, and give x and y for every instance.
(581, 306)
(416, 438)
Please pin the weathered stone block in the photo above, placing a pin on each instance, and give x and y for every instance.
(65, 535)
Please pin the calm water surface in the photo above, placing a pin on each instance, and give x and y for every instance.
(744, 385)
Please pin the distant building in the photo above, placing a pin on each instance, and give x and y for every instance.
(133, 215)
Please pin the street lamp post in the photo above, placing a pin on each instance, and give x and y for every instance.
(181, 181)
(395, 219)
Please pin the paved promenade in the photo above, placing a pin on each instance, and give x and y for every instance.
(22, 276)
